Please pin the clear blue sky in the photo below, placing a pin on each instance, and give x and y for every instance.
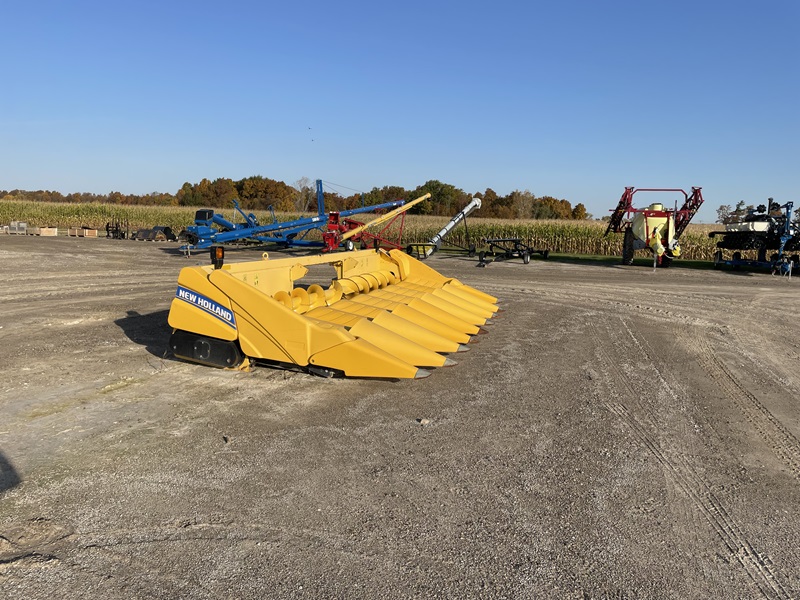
(575, 98)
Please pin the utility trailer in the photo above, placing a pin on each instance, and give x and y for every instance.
(656, 228)
(767, 228)
(505, 248)
(211, 228)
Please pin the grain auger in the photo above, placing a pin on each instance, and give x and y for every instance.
(385, 315)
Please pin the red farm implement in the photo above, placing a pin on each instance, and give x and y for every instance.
(655, 227)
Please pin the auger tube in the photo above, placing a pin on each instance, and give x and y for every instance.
(436, 241)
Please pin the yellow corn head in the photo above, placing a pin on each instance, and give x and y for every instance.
(384, 315)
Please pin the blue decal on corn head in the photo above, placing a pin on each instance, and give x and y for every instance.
(207, 305)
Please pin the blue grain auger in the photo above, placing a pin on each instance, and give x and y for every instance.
(211, 228)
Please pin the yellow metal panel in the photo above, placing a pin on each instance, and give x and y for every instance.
(458, 290)
(256, 342)
(295, 335)
(416, 333)
(433, 320)
(361, 309)
(415, 300)
(439, 300)
(359, 358)
(449, 293)
(430, 323)
(373, 301)
(337, 317)
(298, 271)
(199, 307)
(471, 290)
(189, 318)
(416, 269)
(399, 346)
(466, 305)
(456, 311)
(348, 314)
(444, 315)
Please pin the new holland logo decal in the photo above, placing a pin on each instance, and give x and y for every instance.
(207, 305)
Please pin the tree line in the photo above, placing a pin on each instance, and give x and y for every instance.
(262, 193)
(726, 214)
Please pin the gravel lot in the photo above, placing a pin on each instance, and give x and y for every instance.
(618, 433)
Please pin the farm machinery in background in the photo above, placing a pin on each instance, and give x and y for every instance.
(158, 233)
(211, 228)
(763, 229)
(498, 248)
(423, 250)
(117, 230)
(656, 228)
(505, 248)
(349, 231)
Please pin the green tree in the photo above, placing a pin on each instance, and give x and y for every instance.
(488, 198)
(259, 192)
(252, 191)
(203, 192)
(444, 198)
(579, 212)
(223, 192)
(188, 196)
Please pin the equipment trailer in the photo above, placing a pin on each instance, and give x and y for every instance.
(504, 248)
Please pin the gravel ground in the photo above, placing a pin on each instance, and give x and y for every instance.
(617, 433)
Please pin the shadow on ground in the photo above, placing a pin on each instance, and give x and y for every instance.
(9, 477)
(151, 331)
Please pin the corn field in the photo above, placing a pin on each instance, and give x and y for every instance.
(564, 237)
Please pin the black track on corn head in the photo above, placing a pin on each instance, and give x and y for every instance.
(205, 350)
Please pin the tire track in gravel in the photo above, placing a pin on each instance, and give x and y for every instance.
(35, 299)
(760, 352)
(592, 295)
(784, 443)
(49, 542)
(758, 567)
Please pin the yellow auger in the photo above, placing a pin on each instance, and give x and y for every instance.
(385, 315)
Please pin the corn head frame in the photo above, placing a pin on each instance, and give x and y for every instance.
(385, 315)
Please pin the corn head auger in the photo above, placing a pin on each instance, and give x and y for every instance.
(385, 315)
